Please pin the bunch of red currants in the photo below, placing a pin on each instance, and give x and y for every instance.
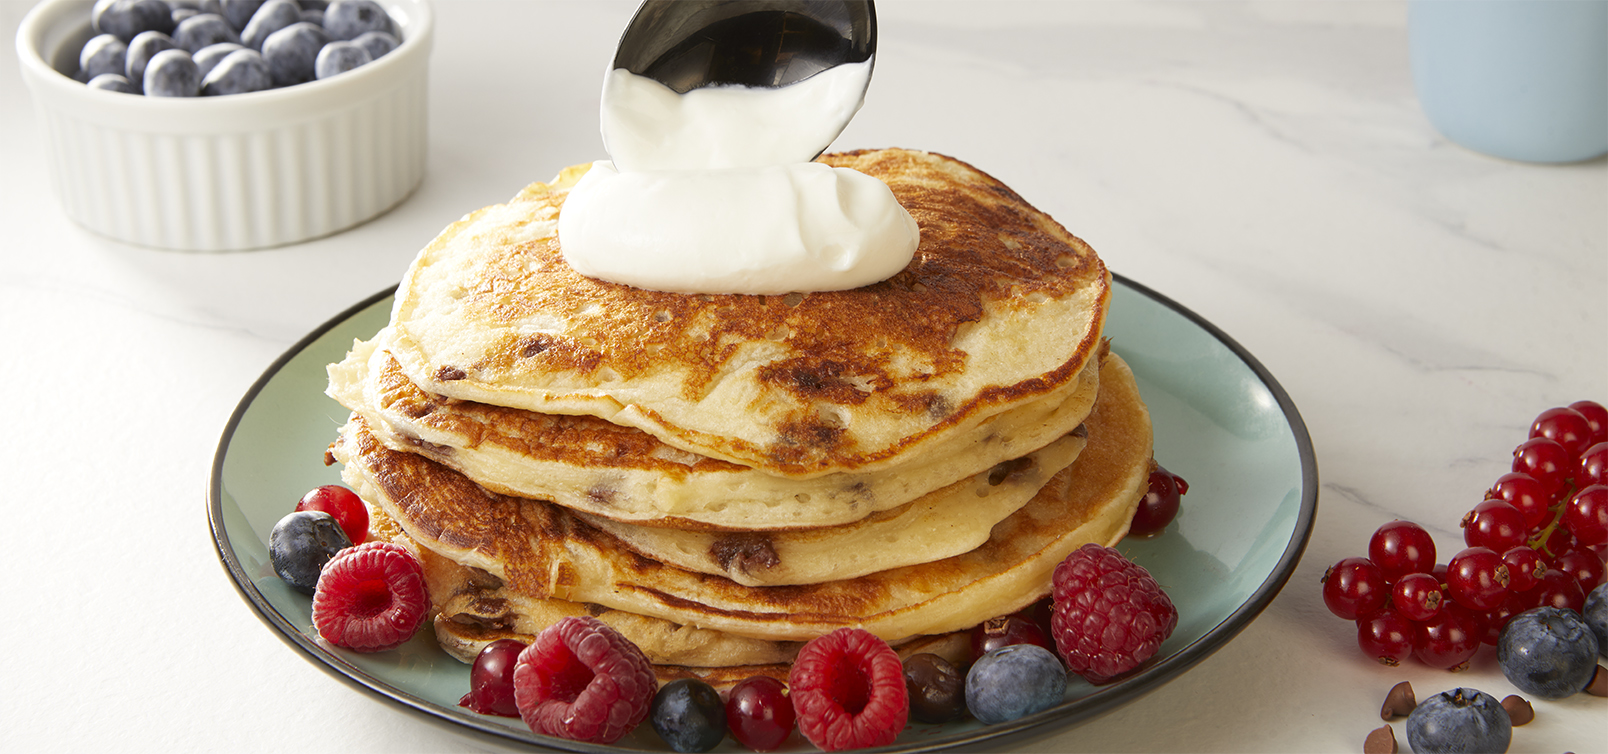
(1537, 540)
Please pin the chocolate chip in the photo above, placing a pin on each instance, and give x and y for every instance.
(1380, 741)
(1518, 709)
(1398, 702)
(1599, 683)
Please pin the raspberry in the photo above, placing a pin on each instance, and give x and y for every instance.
(581, 680)
(370, 598)
(1110, 615)
(849, 690)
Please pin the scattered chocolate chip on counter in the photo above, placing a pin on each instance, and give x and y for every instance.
(1398, 702)
(1381, 741)
(1518, 709)
(1599, 683)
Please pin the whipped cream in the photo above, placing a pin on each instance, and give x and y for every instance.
(714, 191)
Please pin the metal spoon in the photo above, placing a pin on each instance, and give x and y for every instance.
(687, 44)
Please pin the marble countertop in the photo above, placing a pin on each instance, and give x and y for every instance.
(1265, 164)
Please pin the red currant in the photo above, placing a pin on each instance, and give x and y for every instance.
(1584, 565)
(343, 505)
(1525, 568)
(1005, 630)
(1596, 416)
(759, 714)
(1545, 460)
(1400, 548)
(1495, 524)
(1386, 637)
(1354, 588)
(1417, 596)
(1495, 620)
(491, 679)
(1448, 640)
(1522, 491)
(1586, 515)
(1160, 503)
(1593, 466)
(1566, 427)
(1477, 579)
(1560, 590)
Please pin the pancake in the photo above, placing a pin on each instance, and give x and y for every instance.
(1001, 307)
(468, 617)
(624, 474)
(538, 550)
(935, 526)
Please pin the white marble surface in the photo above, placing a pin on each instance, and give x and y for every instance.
(1264, 164)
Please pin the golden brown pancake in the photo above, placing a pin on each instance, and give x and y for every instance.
(1000, 307)
(624, 474)
(539, 550)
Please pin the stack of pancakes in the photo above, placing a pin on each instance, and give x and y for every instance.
(723, 477)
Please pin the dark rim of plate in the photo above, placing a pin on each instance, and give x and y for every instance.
(1103, 699)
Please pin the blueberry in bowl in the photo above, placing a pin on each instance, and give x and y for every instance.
(234, 166)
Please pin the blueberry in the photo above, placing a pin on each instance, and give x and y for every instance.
(377, 43)
(125, 19)
(313, 15)
(239, 72)
(1596, 615)
(318, 5)
(113, 82)
(239, 12)
(345, 19)
(172, 73)
(208, 58)
(203, 30)
(300, 545)
(179, 14)
(292, 53)
(141, 50)
(688, 714)
(1460, 720)
(203, 6)
(103, 53)
(271, 17)
(1014, 681)
(339, 57)
(1548, 652)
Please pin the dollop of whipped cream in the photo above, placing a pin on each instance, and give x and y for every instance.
(713, 191)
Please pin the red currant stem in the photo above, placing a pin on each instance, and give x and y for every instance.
(1539, 541)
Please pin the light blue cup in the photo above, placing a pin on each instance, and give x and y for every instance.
(1520, 79)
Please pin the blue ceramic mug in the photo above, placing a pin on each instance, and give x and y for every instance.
(1520, 79)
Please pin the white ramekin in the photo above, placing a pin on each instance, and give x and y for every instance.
(242, 171)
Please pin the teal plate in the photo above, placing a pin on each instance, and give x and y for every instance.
(1221, 421)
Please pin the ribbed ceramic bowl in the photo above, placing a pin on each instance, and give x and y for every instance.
(241, 171)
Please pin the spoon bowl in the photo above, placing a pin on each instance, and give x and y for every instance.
(689, 44)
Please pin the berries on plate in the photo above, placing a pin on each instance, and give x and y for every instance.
(581, 680)
(491, 679)
(1005, 630)
(371, 597)
(688, 714)
(1014, 681)
(1547, 652)
(848, 689)
(1110, 614)
(759, 713)
(1160, 504)
(344, 504)
(1460, 720)
(936, 688)
(301, 544)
